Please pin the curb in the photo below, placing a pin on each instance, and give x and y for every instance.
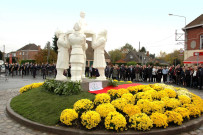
(185, 127)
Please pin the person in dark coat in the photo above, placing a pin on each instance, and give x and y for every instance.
(187, 76)
(87, 69)
(137, 72)
(69, 71)
(131, 72)
(34, 69)
(115, 73)
(145, 73)
(43, 71)
(108, 71)
(149, 73)
(183, 78)
(159, 74)
(178, 74)
(122, 72)
(23, 68)
(200, 76)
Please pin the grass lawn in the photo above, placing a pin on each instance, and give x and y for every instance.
(44, 107)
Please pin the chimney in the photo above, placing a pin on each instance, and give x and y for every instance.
(147, 53)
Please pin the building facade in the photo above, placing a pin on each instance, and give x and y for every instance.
(27, 52)
(194, 41)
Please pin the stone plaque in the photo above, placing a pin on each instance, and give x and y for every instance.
(193, 44)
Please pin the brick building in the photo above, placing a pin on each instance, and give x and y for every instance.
(27, 52)
(194, 41)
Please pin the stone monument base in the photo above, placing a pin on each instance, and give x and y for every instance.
(85, 83)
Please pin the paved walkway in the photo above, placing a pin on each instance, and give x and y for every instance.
(10, 127)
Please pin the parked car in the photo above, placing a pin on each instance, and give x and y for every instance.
(2, 67)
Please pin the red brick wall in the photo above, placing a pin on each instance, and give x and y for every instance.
(28, 55)
(193, 34)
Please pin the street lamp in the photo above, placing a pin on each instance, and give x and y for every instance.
(178, 16)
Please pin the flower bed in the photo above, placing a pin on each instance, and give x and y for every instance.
(31, 86)
(138, 107)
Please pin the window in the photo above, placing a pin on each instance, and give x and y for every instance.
(23, 53)
(20, 53)
(201, 41)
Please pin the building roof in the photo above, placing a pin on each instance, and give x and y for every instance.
(196, 22)
(137, 57)
(90, 52)
(121, 61)
(193, 60)
(162, 62)
(29, 47)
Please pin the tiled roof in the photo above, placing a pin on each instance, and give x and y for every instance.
(121, 61)
(29, 47)
(196, 22)
(193, 59)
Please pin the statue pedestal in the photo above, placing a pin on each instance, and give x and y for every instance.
(85, 83)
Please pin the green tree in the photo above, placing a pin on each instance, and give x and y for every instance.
(42, 55)
(115, 55)
(143, 49)
(55, 48)
(127, 48)
(1, 55)
(131, 63)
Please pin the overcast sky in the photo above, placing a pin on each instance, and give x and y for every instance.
(127, 21)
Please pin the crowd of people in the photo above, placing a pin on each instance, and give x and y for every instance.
(27, 69)
(188, 76)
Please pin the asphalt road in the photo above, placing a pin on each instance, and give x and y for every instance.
(9, 82)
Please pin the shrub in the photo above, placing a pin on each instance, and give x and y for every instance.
(112, 93)
(171, 103)
(113, 83)
(174, 117)
(102, 98)
(133, 89)
(140, 121)
(129, 97)
(119, 103)
(183, 111)
(68, 116)
(90, 119)
(184, 99)
(62, 88)
(145, 106)
(115, 121)
(159, 119)
(171, 93)
(130, 109)
(105, 109)
(194, 110)
(83, 105)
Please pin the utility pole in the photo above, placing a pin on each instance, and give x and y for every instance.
(48, 48)
(3, 53)
(197, 58)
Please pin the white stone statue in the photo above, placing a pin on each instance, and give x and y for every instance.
(77, 41)
(98, 44)
(63, 55)
(84, 64)
(82, 22)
